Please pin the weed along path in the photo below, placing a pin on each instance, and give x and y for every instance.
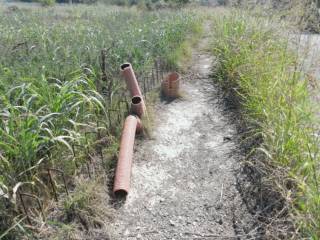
(184, 184)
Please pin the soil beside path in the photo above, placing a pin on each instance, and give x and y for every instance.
(184, 181)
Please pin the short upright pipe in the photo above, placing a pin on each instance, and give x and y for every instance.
(131, 80)
(170, 85)
(123, 170)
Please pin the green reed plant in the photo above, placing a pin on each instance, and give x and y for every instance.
(258, 66)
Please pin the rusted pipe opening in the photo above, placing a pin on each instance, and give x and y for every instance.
(120, 194)
(173, 77)
(137, 106)
(124, 66)
(136, 100)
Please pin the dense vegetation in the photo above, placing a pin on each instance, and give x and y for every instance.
(51, 82)
(142, 4)
(304, 14)
(61, 106)
(257, 65)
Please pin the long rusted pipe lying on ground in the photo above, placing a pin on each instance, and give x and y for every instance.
(121, 186)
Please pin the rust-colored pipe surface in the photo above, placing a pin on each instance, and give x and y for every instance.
(123, 170)
(171, 85)
(137, 106)
(131, 80)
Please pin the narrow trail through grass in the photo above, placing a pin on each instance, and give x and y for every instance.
(184, 182)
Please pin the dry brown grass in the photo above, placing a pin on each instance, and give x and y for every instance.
(84, 214)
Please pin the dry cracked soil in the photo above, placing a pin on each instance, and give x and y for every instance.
(184, 178)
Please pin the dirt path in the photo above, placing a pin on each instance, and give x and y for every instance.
(184, 184)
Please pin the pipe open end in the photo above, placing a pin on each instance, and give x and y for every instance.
(136, 100)
(124, 66)
(170, 86)
(120, 194)
(173, 77)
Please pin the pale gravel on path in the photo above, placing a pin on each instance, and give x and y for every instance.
(184, 178)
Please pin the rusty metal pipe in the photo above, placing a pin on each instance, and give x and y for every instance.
(137, 106)
(121, 186)
(171, 85)
(127, 72)
(131, 80)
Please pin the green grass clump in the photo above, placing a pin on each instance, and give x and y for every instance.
(51, 105)
(255, 64)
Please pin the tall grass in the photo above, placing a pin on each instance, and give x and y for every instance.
(49, 70)
(257, 65)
